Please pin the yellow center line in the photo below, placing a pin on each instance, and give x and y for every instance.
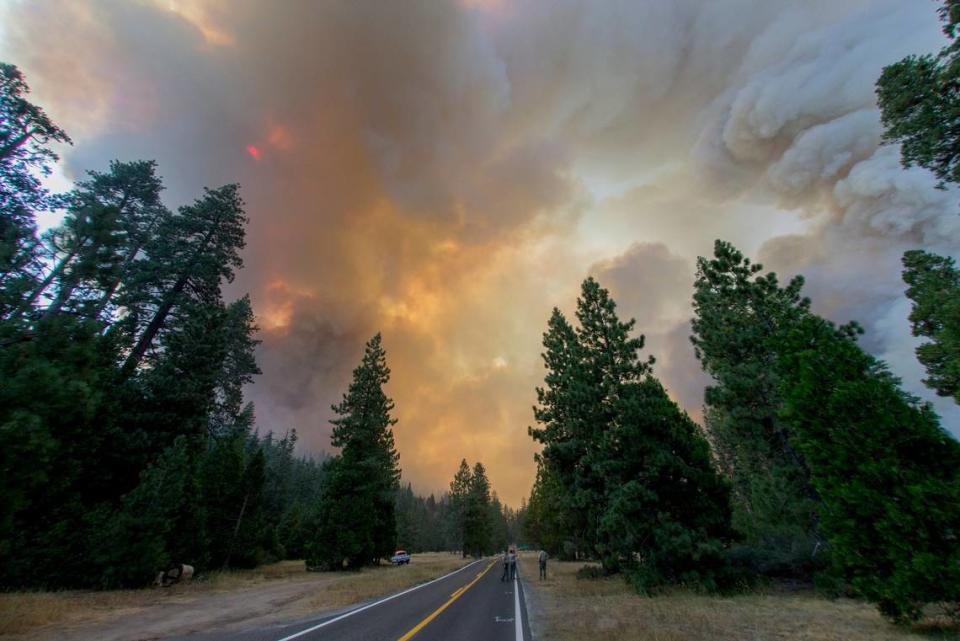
(453, 597)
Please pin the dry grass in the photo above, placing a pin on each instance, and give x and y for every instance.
(369, 583)
(588, 609)
(24, 612)
(239, 579)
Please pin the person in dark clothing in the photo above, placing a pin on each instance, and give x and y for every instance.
(513, 563)
(543, 564)
(506, 566)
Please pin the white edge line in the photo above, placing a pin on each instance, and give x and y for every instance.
(375, 603)
(518, 625)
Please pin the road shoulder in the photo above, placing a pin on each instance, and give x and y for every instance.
(532, 597)
(162, 613)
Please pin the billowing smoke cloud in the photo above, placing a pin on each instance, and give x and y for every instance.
(447, 172)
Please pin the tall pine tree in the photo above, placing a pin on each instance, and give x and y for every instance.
(26, 136)
(621, 463)
(886, 471)
(740, 315)
(358, 523)
(459, 505)
(478, 525)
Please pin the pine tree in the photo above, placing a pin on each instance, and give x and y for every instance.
(190, 255)
(564, 423)
(934, 287)
(342, 535)
(544, 522)
(586, 370)
(459, 502)
(667, 511)
(919, 104)
(109, 472)
(26, 134)
(108, 218)
(500, 536)
(886, 471)
(365, 478)
(634, 464)
(161, 522)
(59, 442)
(478, 525)
(740, 314)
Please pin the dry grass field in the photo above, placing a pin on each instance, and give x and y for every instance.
(280, 591)
(565, 608)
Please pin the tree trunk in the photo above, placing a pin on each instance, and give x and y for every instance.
(155, 324)
(27, 304)
(63, 295)
(236, 530)
(161, 316)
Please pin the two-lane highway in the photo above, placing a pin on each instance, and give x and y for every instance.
(471, 604)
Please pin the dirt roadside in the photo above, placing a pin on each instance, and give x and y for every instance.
(274, 594)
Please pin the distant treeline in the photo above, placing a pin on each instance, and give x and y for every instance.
(472, 523)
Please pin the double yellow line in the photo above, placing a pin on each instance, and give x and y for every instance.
(453, 597)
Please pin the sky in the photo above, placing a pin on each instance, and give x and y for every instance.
(448, 171)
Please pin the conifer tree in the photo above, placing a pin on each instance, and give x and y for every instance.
(886, 471)
(934, 287)
(110, 473)
(364, 478)
(191, 254)
(108, 218)
(459, 503)
(564, 421)
(586, 369)
(26, 136)
(633, 462)
(740, 314)
(478, 524)
(161, 522)
(545, 523)
(500, 535)
(919, 103)
(667, 511)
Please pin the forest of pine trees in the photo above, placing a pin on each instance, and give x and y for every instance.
(125, 442)
(812, 464)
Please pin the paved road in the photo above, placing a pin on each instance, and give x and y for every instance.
(471, 604)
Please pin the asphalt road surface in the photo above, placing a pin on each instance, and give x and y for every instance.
(471, 604)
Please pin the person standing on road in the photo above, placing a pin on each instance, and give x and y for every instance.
(513, 564)
(543, 564)
(506, 566)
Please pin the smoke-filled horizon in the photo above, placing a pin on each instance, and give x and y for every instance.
(448, 172)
